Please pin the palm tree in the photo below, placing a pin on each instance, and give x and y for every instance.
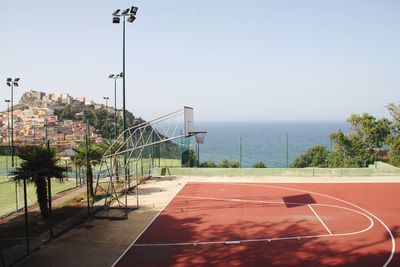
(39, 163)
(111, 146)
(89, 156)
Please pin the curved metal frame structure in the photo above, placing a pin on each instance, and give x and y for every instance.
(130, 145)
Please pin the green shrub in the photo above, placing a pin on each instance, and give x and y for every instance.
(208, 164)
(259, 164)
(224, 164)
(234, 164)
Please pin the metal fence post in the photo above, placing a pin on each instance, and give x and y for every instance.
(76, 174)
(87, 166)
(287, 150)
(17, 194)
(241, 153)
(50, 207)
(26, 218)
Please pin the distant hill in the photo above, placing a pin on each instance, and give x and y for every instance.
(67, 107)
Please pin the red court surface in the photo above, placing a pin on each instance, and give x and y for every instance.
(240, 224)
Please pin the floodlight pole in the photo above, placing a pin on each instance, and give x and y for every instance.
(8, 120)
(123, 77)
(123, 94)
(11, 82)
(12, 125)
(287, 150)
(115, 109)
(130, 13)
(8, 127)
(115, 77)
(241, 153)
(106, 99)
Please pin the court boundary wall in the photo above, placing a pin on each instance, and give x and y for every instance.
(377, 169)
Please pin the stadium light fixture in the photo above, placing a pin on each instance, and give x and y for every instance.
(116, 20)
(131, 18)
(115, 13)
(106, 99)
(133, 10)
(125, 12)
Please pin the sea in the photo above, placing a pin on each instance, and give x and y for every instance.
(273, 143)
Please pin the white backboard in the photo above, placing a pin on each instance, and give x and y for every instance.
(189, 122)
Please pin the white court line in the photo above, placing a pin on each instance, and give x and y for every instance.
(371, 224)
(283, 238)
(236, 200)
(131, 245)
(341, 200)
(319, 218)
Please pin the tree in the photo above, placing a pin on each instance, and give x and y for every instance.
(192, 158)
(69, 113)
(88, 156)
(368, 138)
(339, 160)
(314, 157)
(103, 121)
(111, 147)
(373, 133)
(394, 152)
(394, 110)
(361, 146)
(350, 151)
(39, 163)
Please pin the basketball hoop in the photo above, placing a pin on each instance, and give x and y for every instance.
(199, 140)
(199, 136)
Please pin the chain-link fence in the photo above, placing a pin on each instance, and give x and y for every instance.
(22, 226)
(11, 200)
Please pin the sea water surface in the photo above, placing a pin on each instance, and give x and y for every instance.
(263, 141)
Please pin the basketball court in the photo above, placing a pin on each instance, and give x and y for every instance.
(272, 224)
(246, 222)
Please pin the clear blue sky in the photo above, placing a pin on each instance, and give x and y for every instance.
(230, 60)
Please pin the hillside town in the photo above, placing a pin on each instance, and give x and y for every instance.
(34, 117)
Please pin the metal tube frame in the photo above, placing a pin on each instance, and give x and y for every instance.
(132, 140)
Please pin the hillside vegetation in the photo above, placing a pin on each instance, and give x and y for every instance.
(369, 139)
